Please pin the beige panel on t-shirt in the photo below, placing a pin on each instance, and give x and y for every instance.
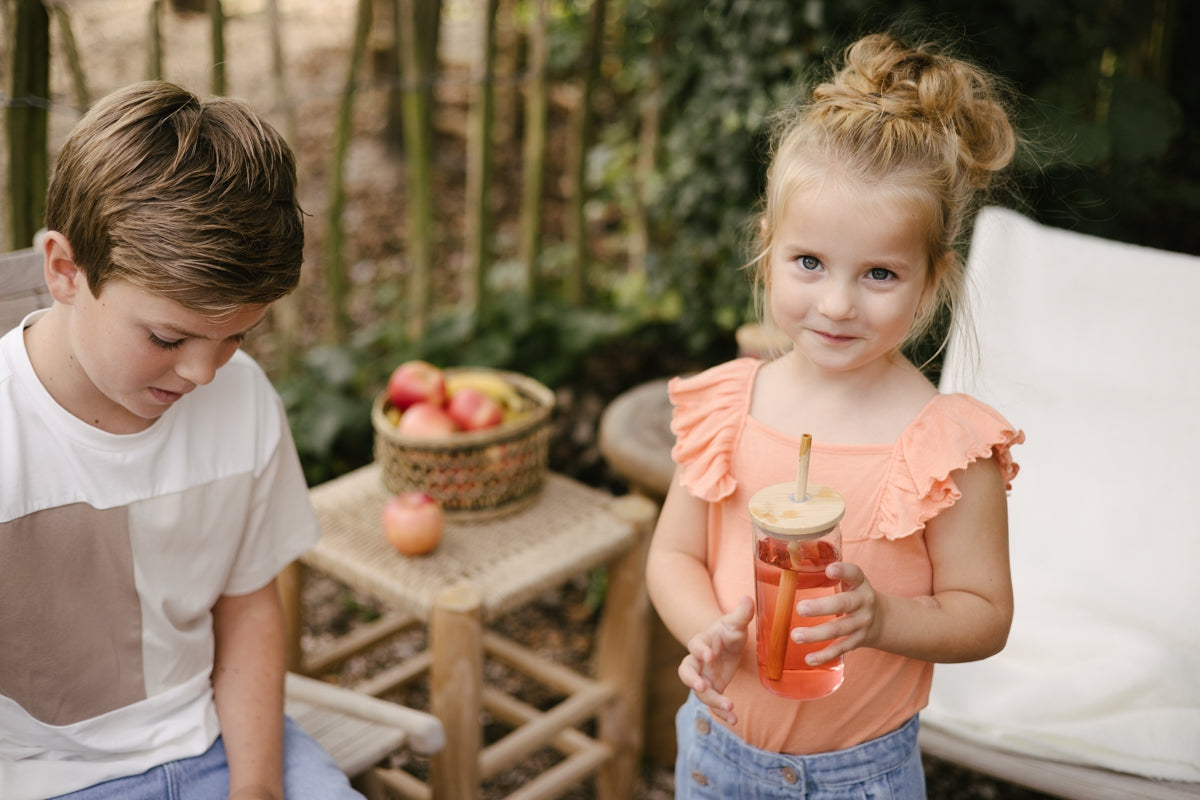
(70, 621)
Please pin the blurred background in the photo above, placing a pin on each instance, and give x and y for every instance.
(561, 187)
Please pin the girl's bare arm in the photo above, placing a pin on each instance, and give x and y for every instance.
(969, 613)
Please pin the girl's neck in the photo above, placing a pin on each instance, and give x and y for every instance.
(871, 406)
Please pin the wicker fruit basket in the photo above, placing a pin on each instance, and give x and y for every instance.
(477, 474)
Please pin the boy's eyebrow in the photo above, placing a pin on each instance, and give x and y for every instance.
(185, 333)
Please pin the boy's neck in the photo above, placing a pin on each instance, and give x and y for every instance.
(47, 345)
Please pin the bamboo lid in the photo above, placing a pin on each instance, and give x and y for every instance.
(776, 509)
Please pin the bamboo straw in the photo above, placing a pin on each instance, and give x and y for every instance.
(777, 647)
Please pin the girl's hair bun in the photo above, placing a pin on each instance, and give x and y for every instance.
(938, 96)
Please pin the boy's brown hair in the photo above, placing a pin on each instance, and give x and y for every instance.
(190, 200)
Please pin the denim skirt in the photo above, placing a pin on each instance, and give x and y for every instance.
(713, 763)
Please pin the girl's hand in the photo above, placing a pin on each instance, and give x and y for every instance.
(713, 657)
(858, 618)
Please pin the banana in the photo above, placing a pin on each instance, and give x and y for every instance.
(489, 383)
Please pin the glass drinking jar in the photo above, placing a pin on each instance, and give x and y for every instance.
(794, 541)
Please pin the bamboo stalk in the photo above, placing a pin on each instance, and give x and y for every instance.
(279, 70)
(534, 151)
(154, 55)
(78, 79)
(577, 240)
(649, 125)
(26, 124)
(336, 284)
(417, 23)
(477, 235)
(216, 18)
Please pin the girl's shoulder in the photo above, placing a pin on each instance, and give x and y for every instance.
(950, 433)
(709, 409)
(724, 383)
(962, 429)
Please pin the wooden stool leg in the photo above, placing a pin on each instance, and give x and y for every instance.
(621, 653)
(291, 585)
(456, 696)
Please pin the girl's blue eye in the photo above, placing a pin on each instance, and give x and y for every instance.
(164, 344)
(879, 274)
(809, 262)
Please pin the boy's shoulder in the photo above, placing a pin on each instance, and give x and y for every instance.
(228, 428)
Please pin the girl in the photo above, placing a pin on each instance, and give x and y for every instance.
(867, 197)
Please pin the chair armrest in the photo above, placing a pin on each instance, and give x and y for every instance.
(425, 732)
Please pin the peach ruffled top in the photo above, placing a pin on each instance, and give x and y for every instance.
(891, 491)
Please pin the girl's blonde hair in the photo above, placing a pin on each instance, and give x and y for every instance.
(903, 122)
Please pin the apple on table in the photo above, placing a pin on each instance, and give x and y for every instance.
(474, 410)
(415, 382)
(413, 522)
(425, 420)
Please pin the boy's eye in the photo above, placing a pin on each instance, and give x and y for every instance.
(164, 343)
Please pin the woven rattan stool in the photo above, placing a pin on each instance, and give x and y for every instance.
(480, 571)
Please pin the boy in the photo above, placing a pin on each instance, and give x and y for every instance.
(149, 487)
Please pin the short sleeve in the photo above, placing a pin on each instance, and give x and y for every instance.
(952, 432)
(709, 409)
(280, 523)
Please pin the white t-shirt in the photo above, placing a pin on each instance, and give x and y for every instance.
(113, 550)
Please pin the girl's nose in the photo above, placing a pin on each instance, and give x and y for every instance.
(837, 300)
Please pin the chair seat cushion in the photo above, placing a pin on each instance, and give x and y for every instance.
(1092, 348)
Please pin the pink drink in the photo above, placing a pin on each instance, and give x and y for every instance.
(806, 561)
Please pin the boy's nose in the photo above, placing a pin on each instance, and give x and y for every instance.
(198, 367)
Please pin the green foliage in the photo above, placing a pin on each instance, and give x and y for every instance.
(1108, 102)
(328, 402)
(1108, 87)
(723, 69)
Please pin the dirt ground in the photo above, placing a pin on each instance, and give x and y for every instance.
(112, 39)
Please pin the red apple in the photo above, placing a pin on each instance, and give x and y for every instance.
(426, 420)
(472, 409)
(413, 522)
(416, 382)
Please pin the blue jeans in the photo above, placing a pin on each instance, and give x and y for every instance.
(308, 774)
(714, 763)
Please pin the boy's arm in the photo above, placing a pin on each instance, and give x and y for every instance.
(248, 677)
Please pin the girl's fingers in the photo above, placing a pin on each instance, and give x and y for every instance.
(839, 647)
(720, 706)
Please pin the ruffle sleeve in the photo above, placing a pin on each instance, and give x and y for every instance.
(706, 419)
(952, 432)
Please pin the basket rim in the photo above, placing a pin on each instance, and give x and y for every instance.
(539, 416)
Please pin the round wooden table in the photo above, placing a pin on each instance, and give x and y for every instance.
(635, 439)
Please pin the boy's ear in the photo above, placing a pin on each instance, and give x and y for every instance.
(64, 278)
